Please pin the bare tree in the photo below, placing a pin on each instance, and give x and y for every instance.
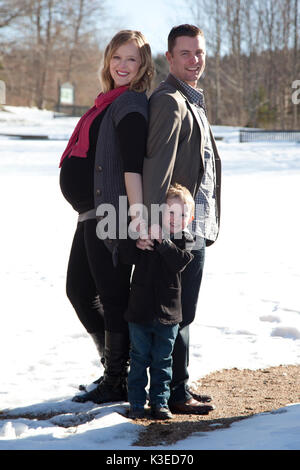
(42, 17)
(82, 21)
(296, 58)
(209, 16)
(59, 41)
(234, 34)
(12, 9)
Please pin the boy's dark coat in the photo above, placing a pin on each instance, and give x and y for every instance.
(156, 281)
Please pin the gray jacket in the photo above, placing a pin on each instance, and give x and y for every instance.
(175, 149)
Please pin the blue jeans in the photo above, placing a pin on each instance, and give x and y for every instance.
(151, 346)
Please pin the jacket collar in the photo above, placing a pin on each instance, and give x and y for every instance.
(194, 95)
(171, 80)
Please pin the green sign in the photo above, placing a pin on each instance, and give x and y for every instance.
(67, 93)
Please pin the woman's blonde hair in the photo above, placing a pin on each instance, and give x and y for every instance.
(142, 81)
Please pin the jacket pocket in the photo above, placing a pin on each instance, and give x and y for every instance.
(170, 302)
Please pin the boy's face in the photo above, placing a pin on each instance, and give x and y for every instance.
(177, 215)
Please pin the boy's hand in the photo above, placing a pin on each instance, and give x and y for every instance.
(145, 244)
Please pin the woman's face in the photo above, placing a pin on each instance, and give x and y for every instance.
(125, 64)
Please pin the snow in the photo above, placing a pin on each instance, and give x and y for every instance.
(248, 313)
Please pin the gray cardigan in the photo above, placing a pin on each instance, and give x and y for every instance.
(109, 173)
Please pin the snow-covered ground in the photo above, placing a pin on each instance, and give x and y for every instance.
(248, 312)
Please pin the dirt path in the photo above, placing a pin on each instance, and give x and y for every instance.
(237, 394)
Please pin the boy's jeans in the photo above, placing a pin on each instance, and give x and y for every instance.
(151, 346)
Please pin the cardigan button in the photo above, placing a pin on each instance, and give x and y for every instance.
(99, 168)
(98, 192)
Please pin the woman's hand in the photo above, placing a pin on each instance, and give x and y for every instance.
(155, 232)
(146, 243)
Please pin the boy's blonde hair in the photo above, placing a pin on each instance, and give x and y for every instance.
(177, 190)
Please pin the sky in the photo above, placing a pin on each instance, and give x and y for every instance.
(153, 18)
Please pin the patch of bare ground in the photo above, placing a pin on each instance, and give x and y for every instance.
(237, 394)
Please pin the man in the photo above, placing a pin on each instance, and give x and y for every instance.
(181, 149)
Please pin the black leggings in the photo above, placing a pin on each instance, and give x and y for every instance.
(97, 290)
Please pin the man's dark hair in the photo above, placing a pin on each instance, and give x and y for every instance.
(182, 30)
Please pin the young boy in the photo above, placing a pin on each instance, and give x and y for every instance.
(154, 308)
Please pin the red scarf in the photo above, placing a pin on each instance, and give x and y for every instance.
(78, 144)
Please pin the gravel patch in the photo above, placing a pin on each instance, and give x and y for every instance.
(237, 394)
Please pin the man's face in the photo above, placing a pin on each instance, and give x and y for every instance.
(187, 60)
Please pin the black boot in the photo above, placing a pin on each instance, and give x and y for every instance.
(113, 387)
(99, 340)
